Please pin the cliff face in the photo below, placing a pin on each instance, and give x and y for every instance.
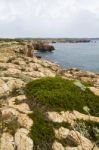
(16, 71)
(43, 46)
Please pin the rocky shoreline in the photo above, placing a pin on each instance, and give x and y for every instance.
(17, 68)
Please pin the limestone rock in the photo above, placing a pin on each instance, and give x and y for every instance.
(4, 89)
(75, 148)
(95, 90)
(22, 141)
(19, 104)
(20, 98)
(4, 59)
(35, 74)
(8, 111)
(70, 117)
(55, 117)
(1, 82)
(57, 146)
(25, 121)
(24, 108)
(19, 61)
(15, 84)
(61, 133)
(7, 142)
(73, 138)
(12, 72)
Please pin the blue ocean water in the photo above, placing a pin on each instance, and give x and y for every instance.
(81, 55)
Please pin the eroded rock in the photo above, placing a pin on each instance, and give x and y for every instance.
(7, 142)
(57, 146)
(95, 90)
(22, 141)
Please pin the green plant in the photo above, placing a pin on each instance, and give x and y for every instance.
(58, 94)
(9, 123)
(41, 132)
(20, 91)
(88, 129)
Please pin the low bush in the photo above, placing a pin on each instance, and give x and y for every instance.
(42, 132)
(58, 94)
(55, 94)
(88, 129)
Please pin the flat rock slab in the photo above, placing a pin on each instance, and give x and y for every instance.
(94, 90)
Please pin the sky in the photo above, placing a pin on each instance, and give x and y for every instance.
(49, 18)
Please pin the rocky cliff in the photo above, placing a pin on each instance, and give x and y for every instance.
(16, 71)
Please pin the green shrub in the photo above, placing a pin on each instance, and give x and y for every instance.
(55, 94)
(41, 132)
(58, 94)
(9, 124)
(89, 129)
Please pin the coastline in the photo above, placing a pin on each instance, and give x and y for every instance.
(16, 70)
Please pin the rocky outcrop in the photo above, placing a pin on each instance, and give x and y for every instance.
(57, 146)
(22, 141)
(7, 142)
(70, 117)
(94, 90)
(74, 138)
(43, 46)
(16, 70)
(85, 76)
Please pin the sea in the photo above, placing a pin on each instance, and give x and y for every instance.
(84, 56)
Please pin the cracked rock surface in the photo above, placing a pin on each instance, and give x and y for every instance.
(16, 70)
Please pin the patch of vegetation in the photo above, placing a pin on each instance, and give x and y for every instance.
(57, 125)
(57, 94)
(88, 83)
(88, 129)
(67, 142)
(17, 92)
(42, 132)
(9, 124)
(25, 78)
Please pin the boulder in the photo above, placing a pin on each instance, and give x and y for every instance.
(57, 146)
(15, 84)
(55, 117)
(4, 89)
(13, 72)
(7, 142)
(61, 133)
(7, 111)
(43, 46)
(25, 121)
(76, 138)
(73, 138)
(22, 141)
(4, 59)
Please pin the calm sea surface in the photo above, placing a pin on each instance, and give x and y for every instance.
(81, 55)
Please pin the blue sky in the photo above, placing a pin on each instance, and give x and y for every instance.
(49, 18)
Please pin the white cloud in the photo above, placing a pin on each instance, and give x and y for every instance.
(43, 18)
